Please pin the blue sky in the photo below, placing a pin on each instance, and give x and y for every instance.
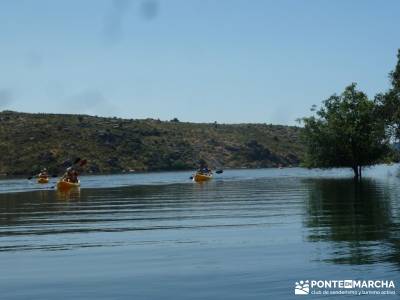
(229, 61)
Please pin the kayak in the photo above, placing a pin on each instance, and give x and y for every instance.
(43, 180)
(65, 185)
(199, 177)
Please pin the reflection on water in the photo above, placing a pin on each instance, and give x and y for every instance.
(358, 221)
(69, 194)
(142, 208)
(245, 235)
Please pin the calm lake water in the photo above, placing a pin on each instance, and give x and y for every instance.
(247, 234)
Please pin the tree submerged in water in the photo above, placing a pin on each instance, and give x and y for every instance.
(346, 132)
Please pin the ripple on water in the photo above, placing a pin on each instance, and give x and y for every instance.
(247, 233)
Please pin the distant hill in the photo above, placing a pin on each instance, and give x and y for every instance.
(31, 141)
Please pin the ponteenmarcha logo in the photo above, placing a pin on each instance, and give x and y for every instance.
(302, 288)
(345, 287)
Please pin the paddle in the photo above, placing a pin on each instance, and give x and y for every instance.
(216, 172)
(77, 160)
(35, 176)
(81, 164)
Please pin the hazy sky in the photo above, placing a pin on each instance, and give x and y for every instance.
(197, 60)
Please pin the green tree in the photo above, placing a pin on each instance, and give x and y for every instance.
(389, 103)
(345, 132)
(395, 74)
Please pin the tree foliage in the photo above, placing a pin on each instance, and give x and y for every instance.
(395, 74)
(389, 103)
(345, 132)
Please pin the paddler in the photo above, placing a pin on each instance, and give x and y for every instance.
(71, 175)
(43, 173)
(203, 169)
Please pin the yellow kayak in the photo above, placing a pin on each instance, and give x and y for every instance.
(65, 185)
(199, 177)
(43, 180)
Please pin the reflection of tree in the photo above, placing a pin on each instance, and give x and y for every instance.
(355, 218)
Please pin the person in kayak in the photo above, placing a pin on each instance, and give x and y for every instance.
(71, 175)
(43, 173)
(203, 169)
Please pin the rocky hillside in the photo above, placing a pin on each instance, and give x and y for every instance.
(30, 141)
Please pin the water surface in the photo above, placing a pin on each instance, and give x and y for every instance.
(248, 234)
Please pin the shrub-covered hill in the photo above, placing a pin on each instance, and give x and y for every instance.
(31, 141)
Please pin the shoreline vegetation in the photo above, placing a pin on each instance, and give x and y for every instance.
(347, 130)
(350, 130)
(31, 141)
